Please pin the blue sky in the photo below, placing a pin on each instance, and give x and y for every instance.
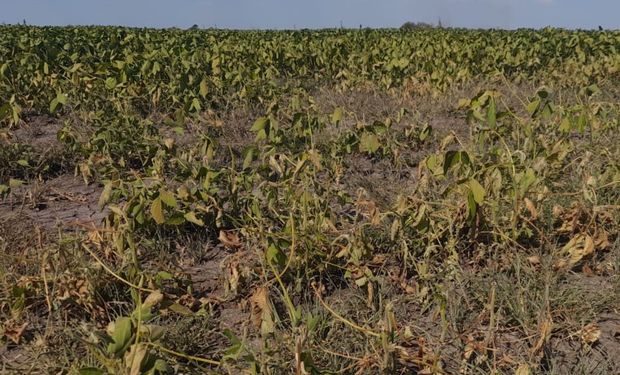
(314, 13)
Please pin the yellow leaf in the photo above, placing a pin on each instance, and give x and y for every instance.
(168, 198)
(192, 218)
(204, 88)
(157, 212)
(477, 190)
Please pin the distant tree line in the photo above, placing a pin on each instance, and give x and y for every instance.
(420, 25)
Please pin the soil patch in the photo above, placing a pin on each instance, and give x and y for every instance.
(64, 201)
(40, 132)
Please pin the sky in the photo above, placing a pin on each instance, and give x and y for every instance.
(295, 14)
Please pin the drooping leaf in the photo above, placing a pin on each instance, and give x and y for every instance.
(157, 211)
(477, 191)
(121, 335)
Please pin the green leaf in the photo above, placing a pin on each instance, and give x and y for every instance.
(196, 105)
(121, 336)
(157, 211)
(492, 113)
(236, 348)
(533, 107)
(477, 191)
(145, 313)
(62, 98)
(249, 157)
(160, 367)
(369, 143)
(526, 180)
(425, 133)
(260, 124)
(275, 256)
(110, 83)
(180, 309)
(155, 332)
(191, 217)
(454, 158)
(593, 90)
(53, 105)
(472, 207)
(313, 322)
(5, 110)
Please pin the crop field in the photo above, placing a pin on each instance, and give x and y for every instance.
(437, 201)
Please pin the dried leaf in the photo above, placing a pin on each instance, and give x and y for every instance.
(531, 208)
(590, 333)
(601, 240)
(169, 143)
(575, 250)
(229, 239)
(544, 329)
(233, 277)
(13, 331)
(369, 209)
(262, 315)
(134, 358)
(153, 299)
(470, 348)
(534, 260)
